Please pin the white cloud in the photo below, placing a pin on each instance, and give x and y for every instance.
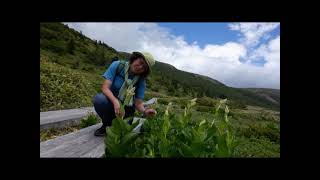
(253, 32)
(220, 62)
(270, 52)
(121, 36)
(230, 52)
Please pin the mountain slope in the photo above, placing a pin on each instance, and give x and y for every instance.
(213, 88)
(272, 95)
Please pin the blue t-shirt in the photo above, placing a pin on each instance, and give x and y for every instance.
(117, 80)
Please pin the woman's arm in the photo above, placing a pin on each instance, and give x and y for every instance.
(107, 92)
(148, 112)
(139, 105)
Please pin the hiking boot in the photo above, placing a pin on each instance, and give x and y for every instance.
(101, 131)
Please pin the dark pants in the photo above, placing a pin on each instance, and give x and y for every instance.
(104, 108)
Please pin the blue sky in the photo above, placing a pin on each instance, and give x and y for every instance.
(203, 33)
(237, 54)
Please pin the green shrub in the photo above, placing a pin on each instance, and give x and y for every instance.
(237, 105)
(147, 96)
(265, 116)
(269, 131)
(206, 101)
(76, 64)
(182, 102)
(62, 88)
(90, 120)
(48, 34)
(57, 46)
(204, 108)
(256, 148)
(163, 100)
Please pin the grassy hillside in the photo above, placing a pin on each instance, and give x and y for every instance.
(204, 86)
(272, 95)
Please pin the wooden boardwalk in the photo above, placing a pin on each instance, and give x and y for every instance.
(81, 143)
(78, 144)
(61, 118)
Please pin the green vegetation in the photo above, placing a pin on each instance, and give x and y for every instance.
(71, 66)
(256, 147)
(170, 136)
(90, 120)
(63, 88)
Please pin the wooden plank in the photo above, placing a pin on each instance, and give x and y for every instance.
(81, 143)
(62, 118)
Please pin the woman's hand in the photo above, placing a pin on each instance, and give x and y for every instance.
(117, 109)
(149, 112)
(108, 93)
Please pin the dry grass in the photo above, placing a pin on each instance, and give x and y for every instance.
(55, 132)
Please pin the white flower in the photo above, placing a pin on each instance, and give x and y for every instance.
(202, 122)
(223, 101)
(168, 107)
(226, 109)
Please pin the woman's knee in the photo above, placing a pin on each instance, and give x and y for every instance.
(100, 99)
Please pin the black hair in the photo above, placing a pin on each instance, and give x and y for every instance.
(134, 57)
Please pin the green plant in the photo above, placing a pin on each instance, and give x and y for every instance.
(119, 136)
(169, 135)
(90, 120)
